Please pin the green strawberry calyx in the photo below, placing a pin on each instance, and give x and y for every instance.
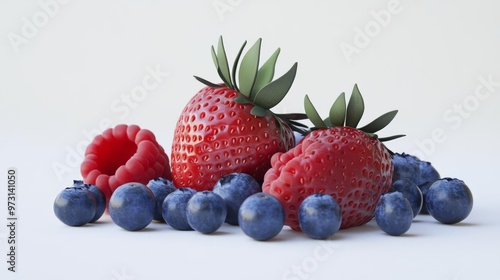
(256, 85)
(342, 114)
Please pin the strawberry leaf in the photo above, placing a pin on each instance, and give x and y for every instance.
(380, 122)
(248, 69)
(235, 65)
(214, 58)
(312, 114)
(327, 122)
(338, 111)
(221, 75)
(266, 73)
(389, 138)
(210, 84)
(242, 100)
(258, 111)
(223, 65)
(292, 116)
(226, 82)
(272, 94)
(295, 123)
(355, 108)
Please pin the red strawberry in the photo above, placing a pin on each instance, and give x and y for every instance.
(351, 165)
(121, 155)
(227, 128)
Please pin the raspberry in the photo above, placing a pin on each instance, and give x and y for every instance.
(124, 154)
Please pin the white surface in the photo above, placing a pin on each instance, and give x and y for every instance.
(72, 73)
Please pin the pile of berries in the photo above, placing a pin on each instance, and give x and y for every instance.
(234, 160)
(237, 199)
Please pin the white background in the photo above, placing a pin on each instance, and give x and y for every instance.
(65, 69)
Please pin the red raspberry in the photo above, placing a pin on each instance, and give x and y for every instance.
(122, 155)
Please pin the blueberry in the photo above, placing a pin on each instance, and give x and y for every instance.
(206, 211)
(175, 206)
(406, 166)
(319, 216)
(411, 192)
(160, 187)
(261, 216)
(98, 195)
(132, 206)
(428, 175)
(75, 206)
(449, 200)
(393, 213)
(234, 189)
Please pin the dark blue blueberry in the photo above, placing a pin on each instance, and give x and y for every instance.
(393, 213)
(234, 189)
(411, 192)
(99, 198)
(319, 216)
(428, 175)
(160, 187)
(261, 216)
(206, 211)
(406, 166)
(75, 206)
(449, 200)
(175, 206)
(132, 206)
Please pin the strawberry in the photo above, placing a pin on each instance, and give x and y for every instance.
(123, 154)
(350, 164)
(227, 128)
